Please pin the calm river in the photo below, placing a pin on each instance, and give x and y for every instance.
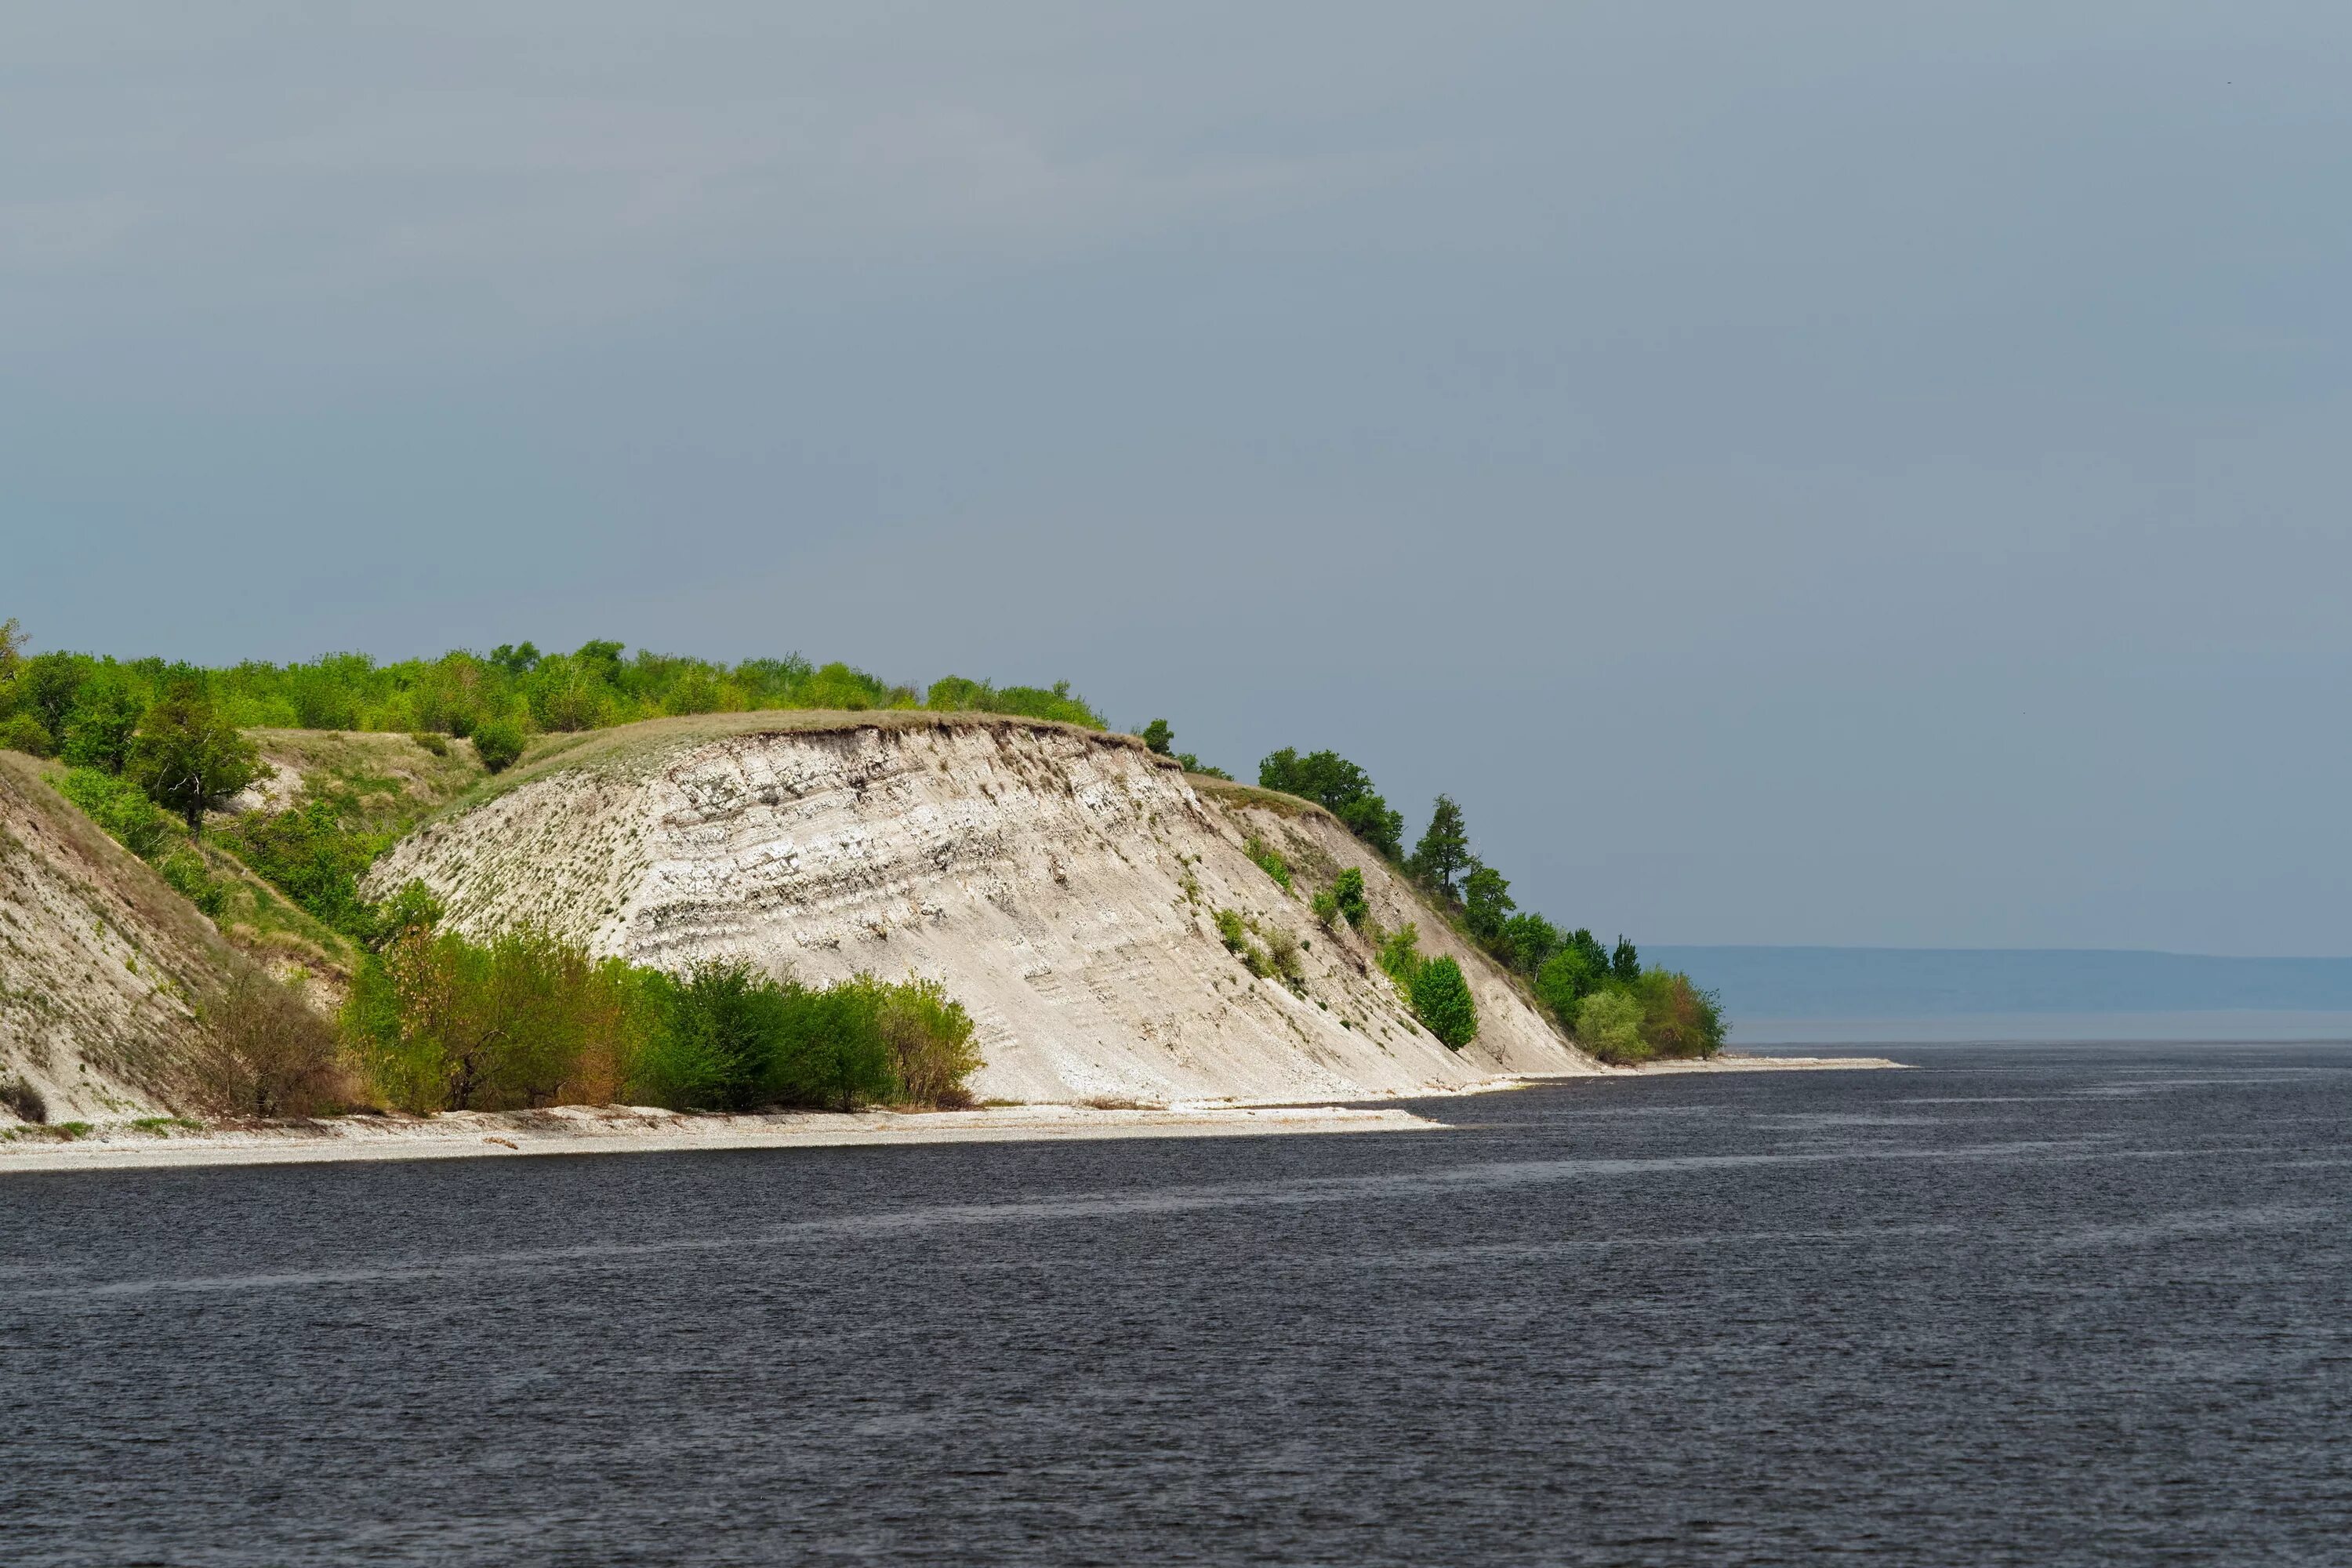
(2021, 1304)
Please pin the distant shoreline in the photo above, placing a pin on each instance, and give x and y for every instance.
(638, 1130)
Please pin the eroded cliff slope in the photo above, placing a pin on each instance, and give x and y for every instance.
(99, 961)
(1064, 885)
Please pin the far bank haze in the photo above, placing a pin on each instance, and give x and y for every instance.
(1890, 982)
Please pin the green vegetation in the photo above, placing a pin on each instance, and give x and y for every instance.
(123, 809)
(1161, 740)
(1567, 970)
(1399, 954)
(499, 743)
(1339, 787)
(1344, 901)
(1269, 860)
(1435, 988)
(437, 1022)
(263, 1051)
(1444, 852)
(1609, 1025)
(185, 757)
(1234, 931)
(1440, 1000)
(53, 699)
(1348, 896)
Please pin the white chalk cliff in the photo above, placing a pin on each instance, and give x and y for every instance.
(1063, 884)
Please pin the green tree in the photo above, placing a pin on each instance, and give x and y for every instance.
(1678, 1019)
(1348, 897)
(12, 649)
(105, 716)
(1566, 979)
(1609, 1025)
(48, 685)
(1440, 1000)
(1339, 787)
(1626, 962)
(1444, 852)
(498, 742)
(186, 759)
(1530, 941)
(1485, 902)
(1160, 738)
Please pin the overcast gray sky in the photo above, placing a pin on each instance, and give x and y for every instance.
(1818, 473)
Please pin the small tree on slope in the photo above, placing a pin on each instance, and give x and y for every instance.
(186, 759)
(1441, 999)
(1444, 852)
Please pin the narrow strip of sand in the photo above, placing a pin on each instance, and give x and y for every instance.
(159, 1142)
(619, 1130)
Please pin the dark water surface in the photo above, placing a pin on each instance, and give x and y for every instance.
(2017, 1306)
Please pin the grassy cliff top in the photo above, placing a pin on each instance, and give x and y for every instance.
(629, 749)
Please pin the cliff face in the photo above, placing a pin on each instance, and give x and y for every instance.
(1063, 884)
(98, 960)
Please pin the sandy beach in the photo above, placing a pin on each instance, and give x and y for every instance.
(156, 1142)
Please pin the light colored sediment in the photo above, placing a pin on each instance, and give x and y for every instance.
(618, 1129)
(1729, 1062)
(1063, 884)
(99, 959)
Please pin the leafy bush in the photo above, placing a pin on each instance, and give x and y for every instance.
(311, 857)
(1233, 931)
(188, 875)
(1609, 1025)
(497, 741)
(436, 744)
(1349, 890)
(1440, 1000)
(122, 808)
(720, 1025)
(1340, 787)
(1157, 738)
(23, 733)
(1326, 905)
(955, 694)
(1566, 978)
(442, 1024)
(1269, 860)
(1281, 956)
(1678, 1019)
(930, 1038)
(1400, 955)
(262, 1051)
(105, 715)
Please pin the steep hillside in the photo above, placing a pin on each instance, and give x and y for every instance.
(99, 961)
(383, 779)
(1064, 883)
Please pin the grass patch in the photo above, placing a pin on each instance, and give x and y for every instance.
(164, 1126)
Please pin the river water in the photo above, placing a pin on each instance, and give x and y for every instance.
(2019, 1304)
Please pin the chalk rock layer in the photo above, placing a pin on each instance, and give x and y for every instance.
(1063, 884)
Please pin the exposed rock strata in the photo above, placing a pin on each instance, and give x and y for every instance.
(1062, 883)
